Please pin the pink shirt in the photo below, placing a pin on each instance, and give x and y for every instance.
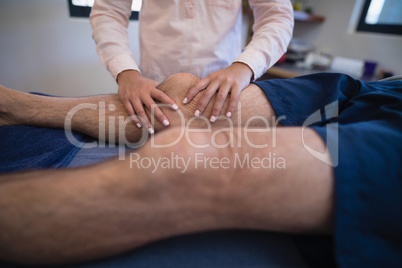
(197, 37)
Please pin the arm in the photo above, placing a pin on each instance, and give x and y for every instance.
(272, 32)
(109, 20)
(272, 29)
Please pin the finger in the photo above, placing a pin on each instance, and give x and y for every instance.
(234, 98)
(156, 112)
(200, 85)
(142, 115)
(205, 98)
(163, 98)
(130, 111)
(219, 101)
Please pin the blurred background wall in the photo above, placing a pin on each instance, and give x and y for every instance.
(43, 49)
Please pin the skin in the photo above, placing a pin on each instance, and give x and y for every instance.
(232, 79)
(81, 214)
(139, 94)
(18, 108)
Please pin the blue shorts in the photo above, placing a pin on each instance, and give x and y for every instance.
(361, 123)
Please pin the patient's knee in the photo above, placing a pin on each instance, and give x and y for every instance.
(177, 85)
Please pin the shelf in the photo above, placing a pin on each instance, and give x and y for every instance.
(289, 70)
(303, 16)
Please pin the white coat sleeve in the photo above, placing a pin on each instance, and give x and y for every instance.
(110, 20)
(272, 31)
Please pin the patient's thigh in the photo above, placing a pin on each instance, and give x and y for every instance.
(253, 106)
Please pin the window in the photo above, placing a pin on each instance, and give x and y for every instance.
(82, 8)
(381, 16)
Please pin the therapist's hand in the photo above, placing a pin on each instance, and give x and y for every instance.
(232, 79)
(137, 91)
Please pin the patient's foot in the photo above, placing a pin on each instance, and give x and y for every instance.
(7, 101)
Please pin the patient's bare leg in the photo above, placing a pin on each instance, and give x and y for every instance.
(59, 216)
(104, 117)
(88, 115)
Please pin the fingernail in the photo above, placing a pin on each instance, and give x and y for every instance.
(139, 125)
(185, 100)
(197, 113)
(213, 118)
(175, 107)
(229, 114)
(151, 131)
(165, 122)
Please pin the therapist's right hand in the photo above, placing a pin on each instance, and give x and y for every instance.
(138, 93)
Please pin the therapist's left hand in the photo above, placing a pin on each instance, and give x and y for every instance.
(232, 79)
